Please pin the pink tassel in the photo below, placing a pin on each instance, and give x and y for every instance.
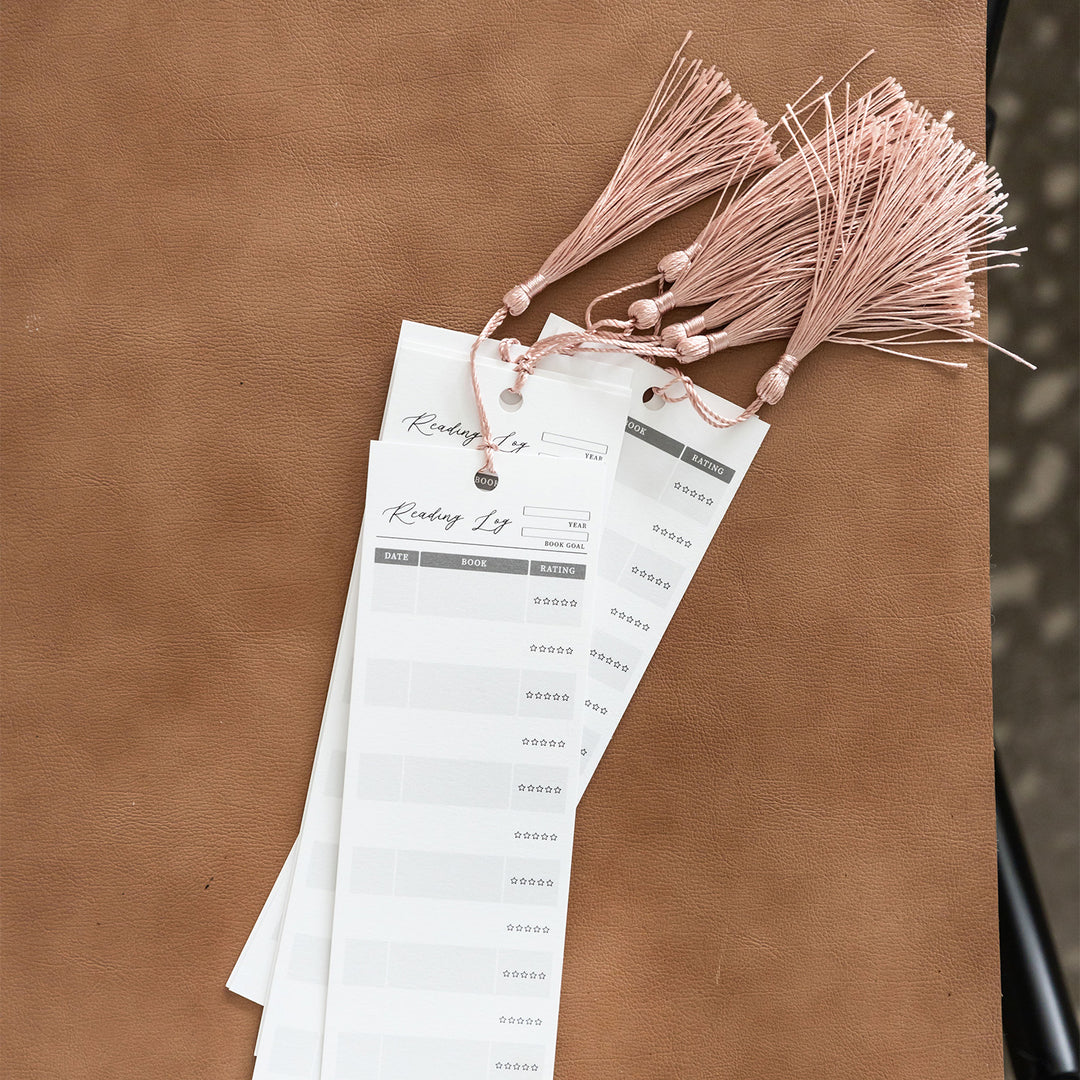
(766, 235)
(777, 291)
(673, 265)
(900, 237)
(694, 138)
(903, 215)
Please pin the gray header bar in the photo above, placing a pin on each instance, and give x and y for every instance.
(708, 465)
(483, 564)
(397, 556)
(653, 437)
(543, 568)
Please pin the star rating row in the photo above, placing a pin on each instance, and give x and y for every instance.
(667, 534)
(652, 579)
(536, 695)
(609, 660)
(694, 494)
(629, 619)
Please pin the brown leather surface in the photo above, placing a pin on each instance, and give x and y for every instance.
(216, 215)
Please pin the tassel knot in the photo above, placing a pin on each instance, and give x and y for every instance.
(680, 331)
(520, 296)
(698, 347)
(646, 313)
(524, 365)
(693, 348)
(671, 336)
(773, 383)
(489, 450)
(673, 265)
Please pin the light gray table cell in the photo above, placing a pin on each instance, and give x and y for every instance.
(451, 594)
(295, 1051)
(364, 963)
(590, 741)
(504, 1056)
(612, 661)
(654, 577)
(309, 959)
(644, 467)
(386, 683)
(441, 875)
(357, 1056)
(551, 603)
(694, 493)
(371, 871)
(464, 688)
(334, 779)
(322, 866)
(532, 881)
(378, 776)
(416, 1058)
(615, 549)
(393, 589)
(442, 782)
(453, 968)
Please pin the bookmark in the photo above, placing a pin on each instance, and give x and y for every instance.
(458, 811)
(254, 968)
(572, 412)
(668, 500)
(676, 478)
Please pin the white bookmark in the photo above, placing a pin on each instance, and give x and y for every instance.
(461, 767)
(678, 479)
(576, 416)
(430, 400)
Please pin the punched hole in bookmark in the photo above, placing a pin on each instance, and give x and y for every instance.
(510, 400)
(652, 399)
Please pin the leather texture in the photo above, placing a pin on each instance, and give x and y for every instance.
(216, 215)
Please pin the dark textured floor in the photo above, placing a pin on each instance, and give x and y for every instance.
(1034, 454)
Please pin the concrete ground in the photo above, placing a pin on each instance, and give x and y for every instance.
(1034, 455)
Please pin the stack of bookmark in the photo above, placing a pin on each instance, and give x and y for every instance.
(491, 642)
